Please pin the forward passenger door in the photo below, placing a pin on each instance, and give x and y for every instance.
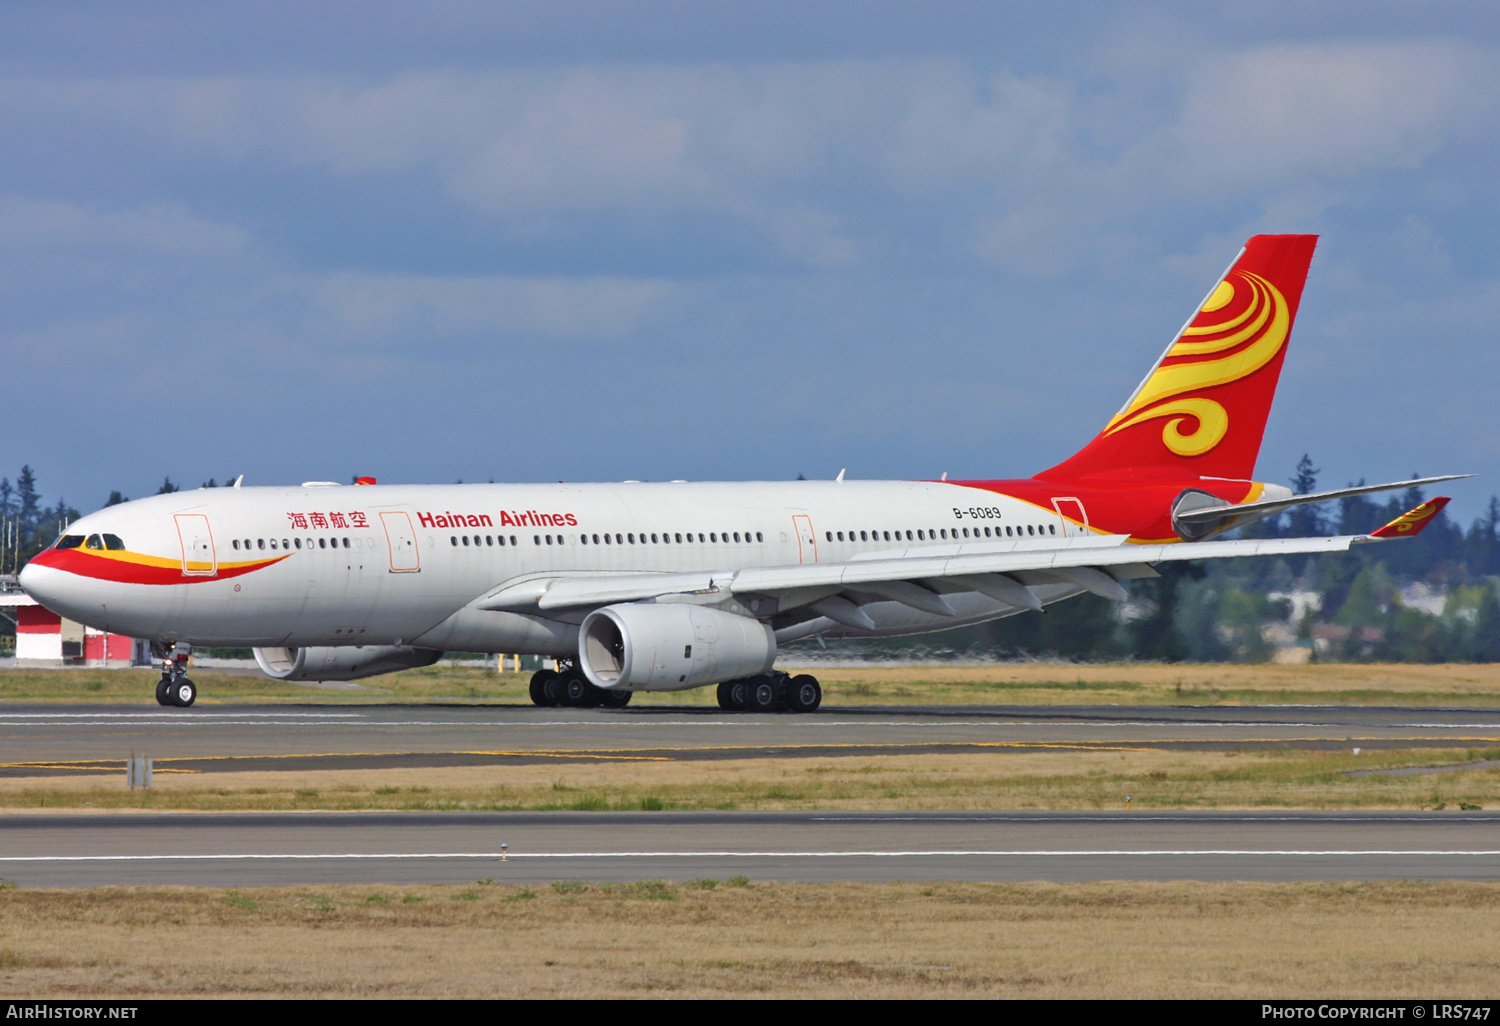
(401, 538)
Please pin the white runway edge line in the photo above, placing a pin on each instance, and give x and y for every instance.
(512, 856)
(357, 722)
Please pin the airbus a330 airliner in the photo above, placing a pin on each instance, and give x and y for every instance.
(660, 587)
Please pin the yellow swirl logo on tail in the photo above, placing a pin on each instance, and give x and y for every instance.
(1412, 521)
(1248, 340)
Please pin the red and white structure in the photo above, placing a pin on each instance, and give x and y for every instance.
(44, 638)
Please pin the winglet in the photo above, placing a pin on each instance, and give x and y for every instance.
(1411, 523)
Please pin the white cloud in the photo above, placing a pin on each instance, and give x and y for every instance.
(378, 306)
(30, 223)
(1277, 114)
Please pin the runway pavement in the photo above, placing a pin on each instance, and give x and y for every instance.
(252, 849)
(61, 740)
(406, 848)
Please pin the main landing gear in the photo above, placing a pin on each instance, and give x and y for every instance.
(772, 691)
(571, 688)
(174, 688)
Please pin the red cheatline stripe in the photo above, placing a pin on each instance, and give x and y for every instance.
(127, 571)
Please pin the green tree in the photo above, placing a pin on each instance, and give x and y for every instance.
(1486, 638)
(1305, 521)
(1155, 636)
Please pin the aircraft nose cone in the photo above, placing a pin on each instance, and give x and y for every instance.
(34, 580)
(31, 580)
(49, 585)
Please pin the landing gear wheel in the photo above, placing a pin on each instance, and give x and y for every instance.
(803, 693)
(161, 691)
(616, 698)
(732, 696)
(580, 694)
(182, 692)
(762, 695)
(541, 694)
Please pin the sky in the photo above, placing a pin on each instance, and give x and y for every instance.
(542, 241)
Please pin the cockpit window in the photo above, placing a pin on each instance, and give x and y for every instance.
(94, 542)
(113, 542)
(69, 541)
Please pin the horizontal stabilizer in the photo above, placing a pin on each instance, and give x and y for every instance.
(1413, 522)
(1212, 514)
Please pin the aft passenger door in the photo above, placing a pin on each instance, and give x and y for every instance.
(401, 537)
(1071, 515)
(198, 556)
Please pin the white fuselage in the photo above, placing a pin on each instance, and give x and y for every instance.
(405, 565)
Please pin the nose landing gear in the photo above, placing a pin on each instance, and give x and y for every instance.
(174, 688)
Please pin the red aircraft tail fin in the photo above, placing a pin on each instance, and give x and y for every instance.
(1202, 409)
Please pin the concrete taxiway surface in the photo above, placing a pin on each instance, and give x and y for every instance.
(41, 740)
(396, 848)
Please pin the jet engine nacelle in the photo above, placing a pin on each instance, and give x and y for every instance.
(344, 662)
(669, 647)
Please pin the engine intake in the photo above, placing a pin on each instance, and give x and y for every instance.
(649, 647)
(350, 662)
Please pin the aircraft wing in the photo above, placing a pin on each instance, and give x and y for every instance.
(1096, 564)
(1210, 514)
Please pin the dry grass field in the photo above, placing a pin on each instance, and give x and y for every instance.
(755, 939)
(995, 779)
(751, 939)
(1037, 683)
